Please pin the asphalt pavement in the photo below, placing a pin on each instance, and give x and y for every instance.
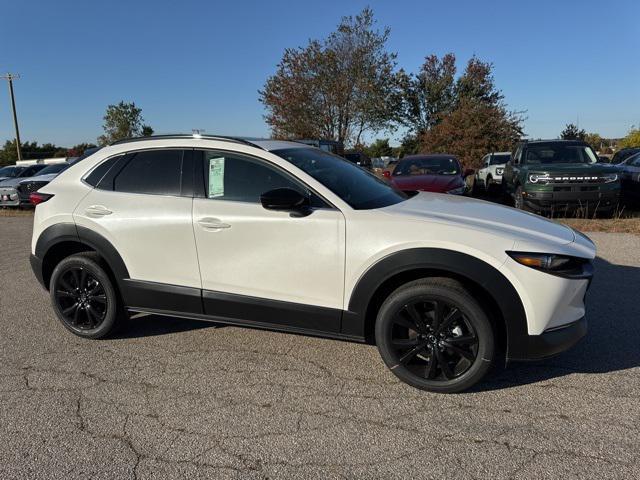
(173, 398)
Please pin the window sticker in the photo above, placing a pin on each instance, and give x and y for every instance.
(216, 177)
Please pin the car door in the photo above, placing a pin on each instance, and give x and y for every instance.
(139, 204)
(266, 266)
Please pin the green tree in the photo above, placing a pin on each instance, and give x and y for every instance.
(79, 149)
(123, 120)
(379, 148)
(30, 151)
(596, 141)
(572, 132)
(337, 88)
(632, 139)
(146, 131)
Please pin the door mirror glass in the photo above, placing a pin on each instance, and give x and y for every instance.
(284, 200)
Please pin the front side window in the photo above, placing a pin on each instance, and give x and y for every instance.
(235, 178)
(154, 172)
(354, 185)
(558, 153)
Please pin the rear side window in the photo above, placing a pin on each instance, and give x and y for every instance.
(154, 172)
(101, 170)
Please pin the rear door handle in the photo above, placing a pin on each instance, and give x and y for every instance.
(212, 224)
(98, 210)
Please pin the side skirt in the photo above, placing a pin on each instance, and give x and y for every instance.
(250, 324)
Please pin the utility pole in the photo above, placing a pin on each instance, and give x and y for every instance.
(10, 77)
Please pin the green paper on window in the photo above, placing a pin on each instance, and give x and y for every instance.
(216, 177)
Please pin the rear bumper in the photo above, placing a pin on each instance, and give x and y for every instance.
(551, 342)
(36, 266)
(572, 200)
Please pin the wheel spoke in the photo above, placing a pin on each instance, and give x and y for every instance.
(400, 320)
(463, 340)
(438, 313)
(453, 315)
(433, 362)
(95, 289)
(66, 284)
(76, 277)
(64, 294)
(463, 353)
(83, 278)
(91, 316)
(70, 309)
(405, 342)
(407, 357)
(416, 317)
(444, 366)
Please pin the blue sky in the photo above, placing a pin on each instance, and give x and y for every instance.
(200, 64)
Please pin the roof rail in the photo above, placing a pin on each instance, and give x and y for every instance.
(186, 135)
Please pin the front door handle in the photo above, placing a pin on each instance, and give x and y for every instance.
(97, 210)
(209, 223)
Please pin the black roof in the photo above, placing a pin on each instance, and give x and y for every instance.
(428, 155)
(556, 140)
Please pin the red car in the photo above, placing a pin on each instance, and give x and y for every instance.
(440, 173)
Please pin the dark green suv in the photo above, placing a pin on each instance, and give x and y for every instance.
(555, 176)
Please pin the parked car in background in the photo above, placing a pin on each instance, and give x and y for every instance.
(359, 158)
(490, 175)
(26, 186)
(440, 173)
(550, 176)
(8, 193)
(630, 178)
(11, 171)
(621, 155)
(195, 227)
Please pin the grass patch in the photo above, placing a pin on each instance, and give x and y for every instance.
(611, 225)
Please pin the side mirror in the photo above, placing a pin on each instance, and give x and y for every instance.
(386, 174)
(468, 172)
(284, 200)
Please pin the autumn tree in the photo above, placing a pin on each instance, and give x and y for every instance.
(632, 139)
(379, 148)
(595, 141)
(123, 120)
(337, 88)
(572, 132)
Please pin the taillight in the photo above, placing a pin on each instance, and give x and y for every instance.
(37, 198)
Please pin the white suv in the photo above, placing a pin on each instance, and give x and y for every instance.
(285, 236)
(489, 176)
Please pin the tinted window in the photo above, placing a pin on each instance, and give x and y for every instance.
(242, 179)
(156, 172)
(101, 170)
(10, 171)
(357, 187)
(499, 159)
(55, 168)
(559, 153)
(31, 170)
(427, 166)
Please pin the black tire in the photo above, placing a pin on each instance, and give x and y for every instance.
(407, 322)
(84, 297)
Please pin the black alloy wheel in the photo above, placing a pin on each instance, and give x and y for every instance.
(433, 335)
(83, 296)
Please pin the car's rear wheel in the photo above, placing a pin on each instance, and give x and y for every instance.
(84, 298)
(434, 336)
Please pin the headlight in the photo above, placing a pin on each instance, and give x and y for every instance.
(610, 177)
(561, 265)
(539, 178)
(457, 191)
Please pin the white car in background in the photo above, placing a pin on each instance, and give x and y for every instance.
(490, 174)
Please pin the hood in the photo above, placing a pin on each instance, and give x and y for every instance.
(428, 183)
(479, 214)
(12, 182)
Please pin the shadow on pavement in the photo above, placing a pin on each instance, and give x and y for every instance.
(613, 338)
(142, 325)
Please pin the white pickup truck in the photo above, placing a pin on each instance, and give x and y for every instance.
(489, 176)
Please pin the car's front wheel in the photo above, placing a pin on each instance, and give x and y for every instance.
(434, 336)
(84, 298)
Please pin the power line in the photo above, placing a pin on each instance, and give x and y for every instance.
(10, 77)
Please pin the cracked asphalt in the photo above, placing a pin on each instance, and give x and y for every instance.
(174, 398)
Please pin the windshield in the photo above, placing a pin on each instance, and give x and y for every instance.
(10, 171)
(500, 159)
(357, 187)
(558, 153)
(55, 168)
(428, 166)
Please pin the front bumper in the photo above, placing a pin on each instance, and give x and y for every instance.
(571, 199)
(551, 342)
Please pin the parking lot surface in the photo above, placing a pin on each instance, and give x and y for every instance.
(171, 398)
